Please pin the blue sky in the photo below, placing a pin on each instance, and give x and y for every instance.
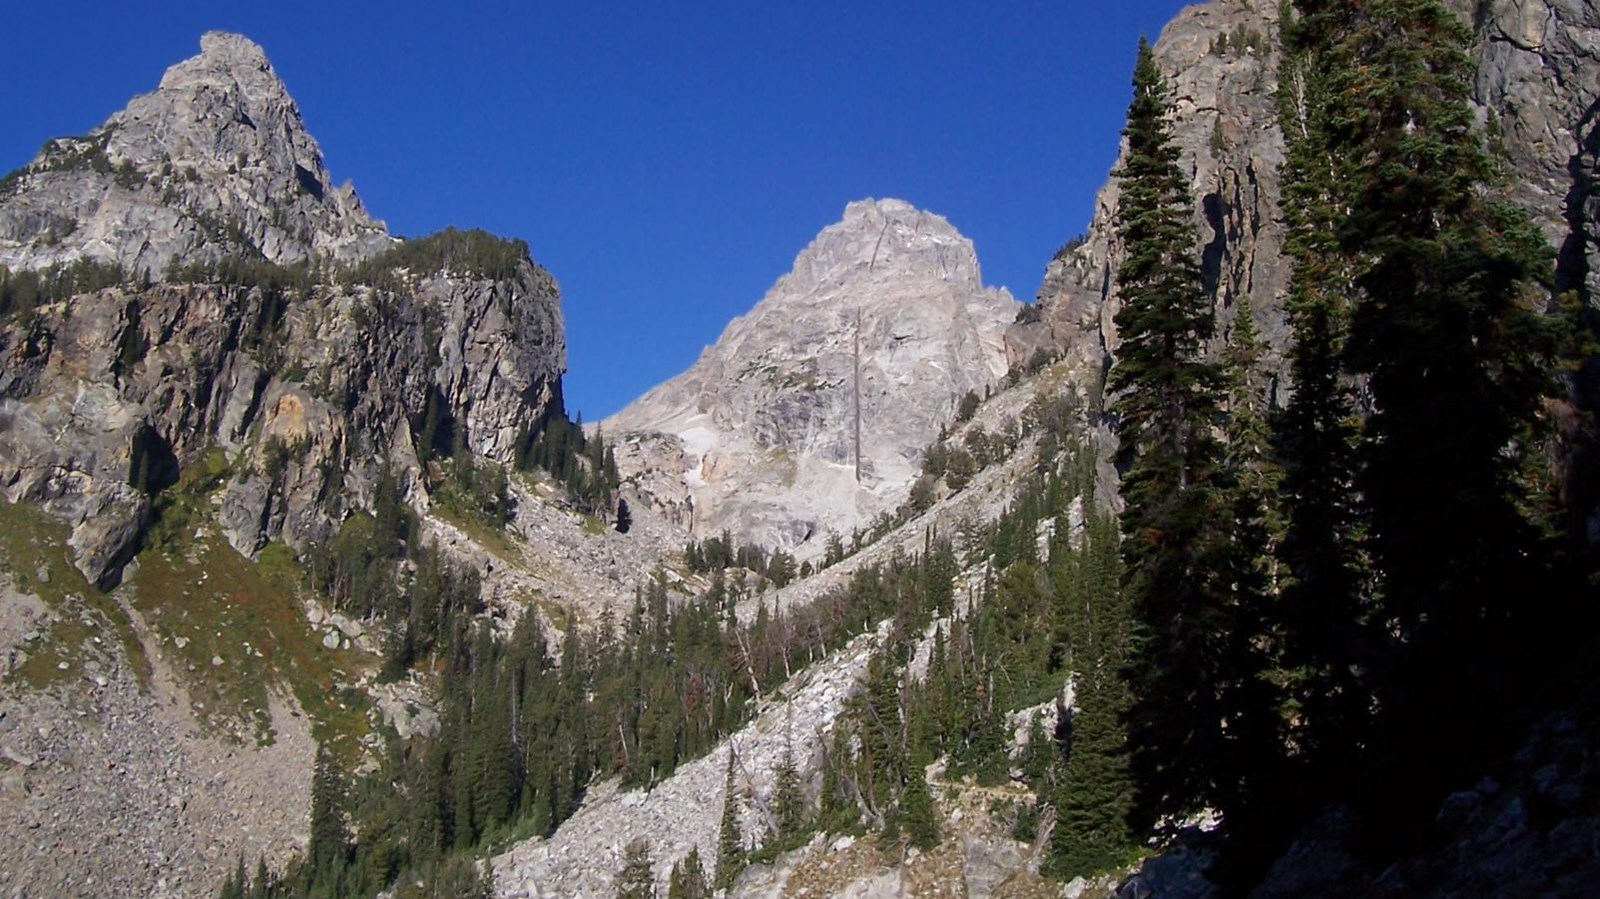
(665, 161)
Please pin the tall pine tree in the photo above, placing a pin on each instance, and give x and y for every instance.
(1324, 608)
(730, 842)
(1176, 520)
(1445, 334)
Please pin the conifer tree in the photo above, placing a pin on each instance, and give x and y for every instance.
(1093, 791)
(1093, 787)
(1248, 781)
(330, 838)
(1322, 615)
(915, 813)
(1446, 336)
(689, 878)
(789, 801)
(730, 845)
(234, 886)
(1176, 521)
(263, 885)
(459, 877)
(1252, 472)
(635, 880)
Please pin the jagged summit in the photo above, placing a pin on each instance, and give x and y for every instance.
(761, 429)
(216, 161)
(895, 235)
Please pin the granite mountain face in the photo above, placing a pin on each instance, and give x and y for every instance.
(215, 162)
(886, 309)
(1537, 80)
(214, 201)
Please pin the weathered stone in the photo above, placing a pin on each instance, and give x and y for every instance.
(764, 422)
(215, 162)
(1538, 82)
(115, 391)
(1225, 126)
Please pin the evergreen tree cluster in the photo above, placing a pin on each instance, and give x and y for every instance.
(1315, 590)
(475, 489)
(1050, 611)
(956, 465)
(23, 291)
(719, 554)
(473, 253)
(586, 466)
(244, 271)
(522, 736)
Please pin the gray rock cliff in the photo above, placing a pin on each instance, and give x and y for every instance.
(1538, 81)
(762, 426)
(309, 386)
(1226, 128)
(215, 162)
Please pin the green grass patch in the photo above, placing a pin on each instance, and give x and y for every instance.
(179, 509)
(593, 525)
(31, 541)
(495, 540)
(234, 629)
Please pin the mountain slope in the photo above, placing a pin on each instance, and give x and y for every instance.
(216, 369)
(763, 426)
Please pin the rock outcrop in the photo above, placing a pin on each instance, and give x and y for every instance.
(309, 385)
(1538, 83)
(1529, 829)
(761, 430)
(308, 408)
(215, 162)
(1222, 59)
(1539, 79)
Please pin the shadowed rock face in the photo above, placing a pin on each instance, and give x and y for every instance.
(761, 429)
(338, 389)
(1537, 89)
(1539, 79)
(105, 397)
(214, 162)
(1539, 75)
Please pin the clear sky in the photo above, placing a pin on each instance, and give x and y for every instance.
(665, 160)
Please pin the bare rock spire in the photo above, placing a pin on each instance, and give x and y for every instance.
(215, 162)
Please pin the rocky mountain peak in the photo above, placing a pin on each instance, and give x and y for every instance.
(211, 108)
(892, 236)
(759, 436)
(215, 162)
(225, 59)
